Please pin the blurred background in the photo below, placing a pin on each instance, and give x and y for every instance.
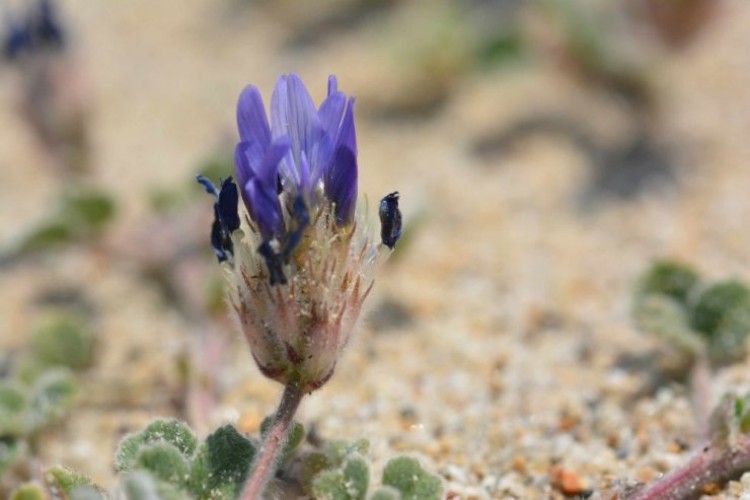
(545, 153)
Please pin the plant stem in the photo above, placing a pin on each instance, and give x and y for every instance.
(714, 465)
(264, 465)
(700, 394)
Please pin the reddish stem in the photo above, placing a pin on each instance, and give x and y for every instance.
(715, 464)
(266, 461)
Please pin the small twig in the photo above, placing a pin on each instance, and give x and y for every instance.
(714, 465)
(264, 465)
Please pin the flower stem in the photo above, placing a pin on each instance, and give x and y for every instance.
(264, 465)
(714, 464)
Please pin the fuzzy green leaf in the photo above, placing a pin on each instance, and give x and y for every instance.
(338, 451)
(86, 492)
(140, 485)
(386, 493)
(663, 317)
(51, 397)
(408, 477)
(164, 461)
(11, 450)
(673, 279)
(722, 314)
(29, 491)
(68, 484)
(13, 407)
(311, 464)
(221, 464)
(349, 482)
(63, 338)
(171, 431)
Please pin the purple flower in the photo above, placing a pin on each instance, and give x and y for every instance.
(297, 176)
(306, 153)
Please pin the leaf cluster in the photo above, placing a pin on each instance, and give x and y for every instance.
(165, 461)
(674, 302)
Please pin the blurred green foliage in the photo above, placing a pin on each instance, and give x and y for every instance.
(79, 215)
(673, 302)
(63, 338)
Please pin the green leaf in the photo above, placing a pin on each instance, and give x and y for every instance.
(311, 464)
(340, 450)
(349, 482)
(63, 338)
(165, 462)
(673, 279)
(65, 482)
(29, 491)
(48, 235)
(408, 477)
(171, 431)
(51, 397)
(87, 492)
(13, 407)
(665, 318)
(140, 485)
(79, 215)
(386, 493)
(11, 451)
(711, 309)
(88, 211)
(221, 464)
(742, 413)
(722, 314)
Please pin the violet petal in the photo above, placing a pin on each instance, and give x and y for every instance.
(341, 184)
(251, 117)
(264, 208)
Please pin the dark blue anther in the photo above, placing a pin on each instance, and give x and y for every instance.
(274, 264)
(390, 220)
(48, 29)
(226, 216)
(301, 217)
(228, 204)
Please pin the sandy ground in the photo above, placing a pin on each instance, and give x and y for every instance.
(516, 291)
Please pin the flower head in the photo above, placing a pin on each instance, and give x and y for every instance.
(302, 269)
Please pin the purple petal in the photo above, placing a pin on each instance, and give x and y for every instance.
(331, 111)
(242, 168)
(251, 117)
(322, 159)
(341, 184)
(333, 84)
(293, 113)
(347, 135)
(304, 175)
(268, 170)
(264, 208)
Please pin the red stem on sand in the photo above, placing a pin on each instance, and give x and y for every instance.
(266, 461)
(715, 464)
